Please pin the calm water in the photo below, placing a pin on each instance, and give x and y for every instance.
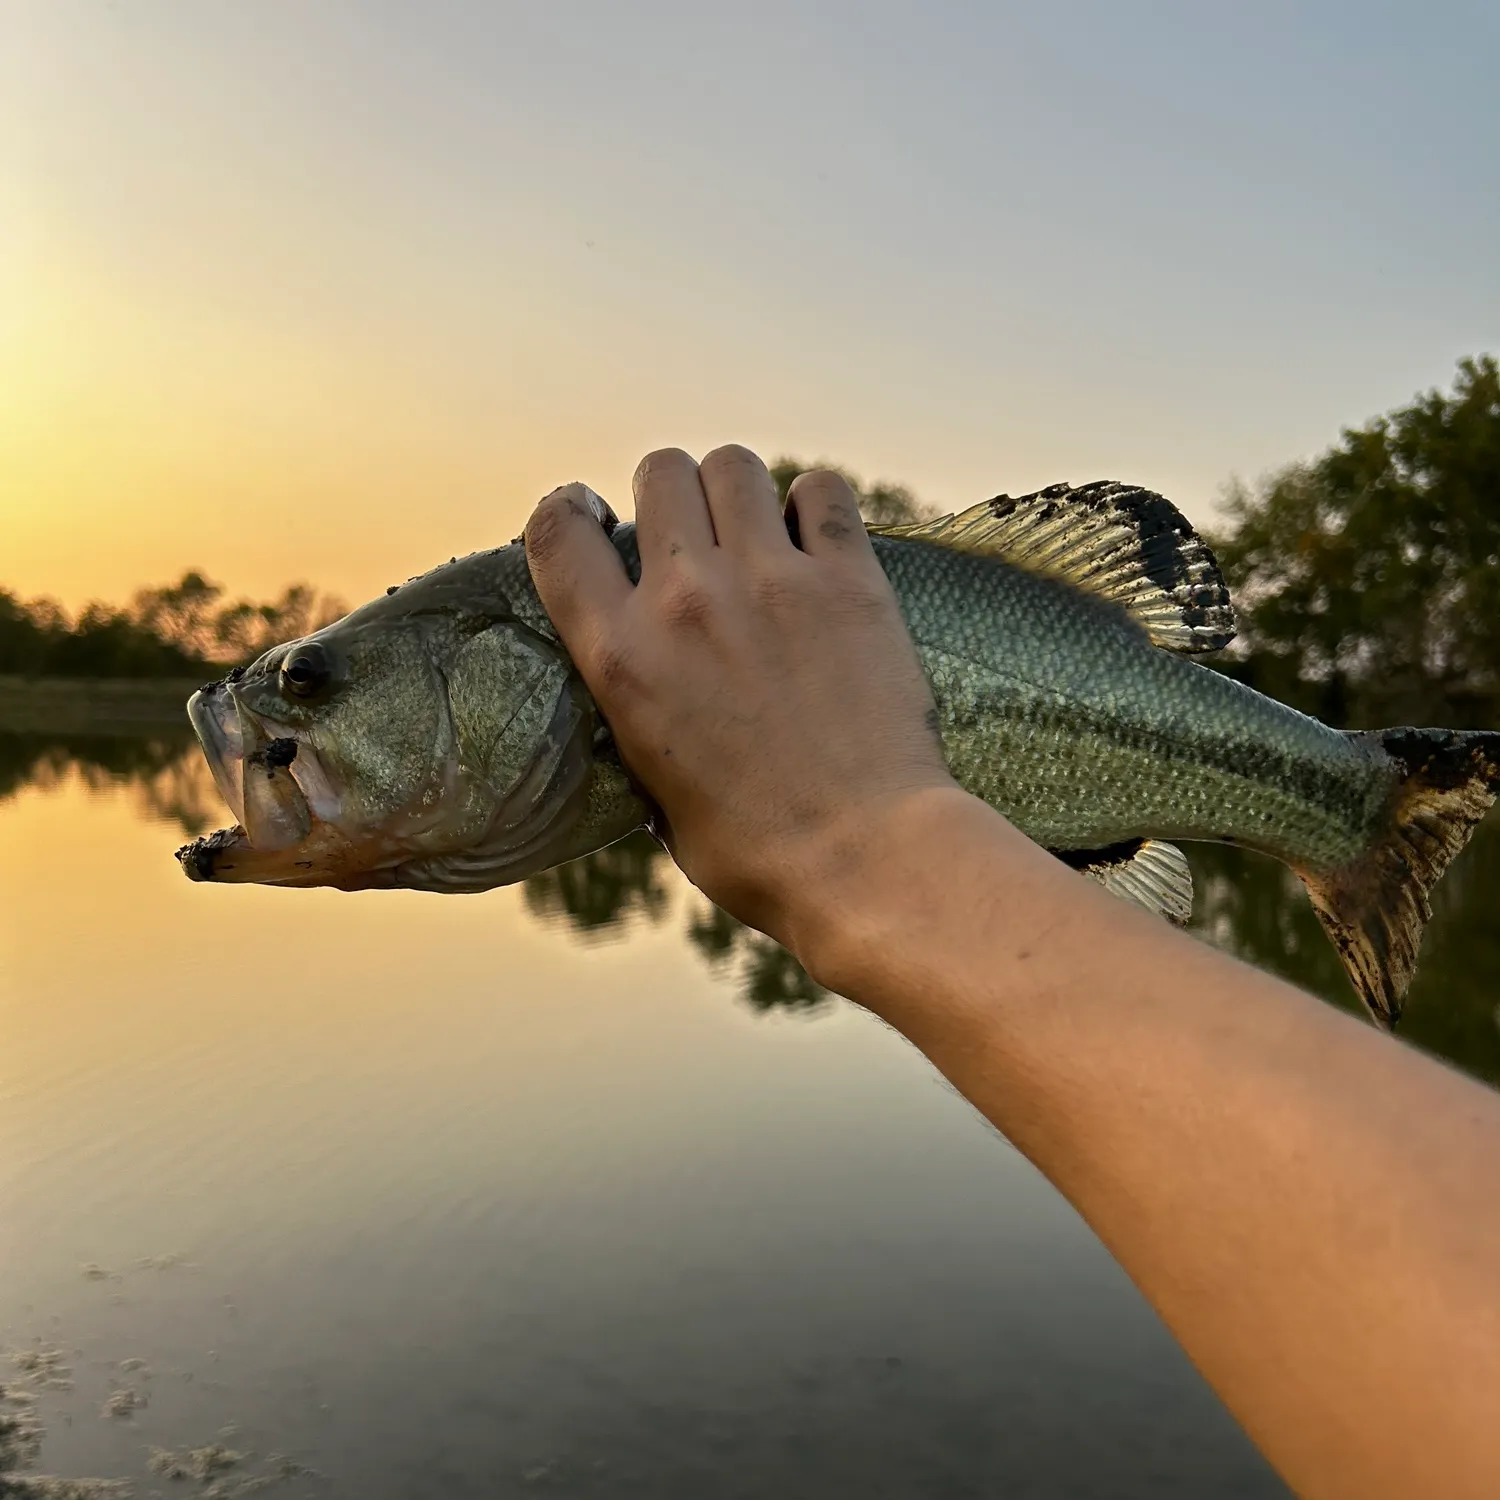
(575, 1189)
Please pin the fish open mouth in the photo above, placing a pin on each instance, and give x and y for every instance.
(277, 790)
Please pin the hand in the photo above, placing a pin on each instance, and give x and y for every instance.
(766, 695)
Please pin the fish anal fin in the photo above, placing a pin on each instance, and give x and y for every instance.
(1375, 908)
(1149, 872)
(1116, 541)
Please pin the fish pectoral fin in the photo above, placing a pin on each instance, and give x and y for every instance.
(1149, 872)
(1115, 541)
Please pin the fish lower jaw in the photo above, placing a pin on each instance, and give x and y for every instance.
(228, 856)
(199, 858)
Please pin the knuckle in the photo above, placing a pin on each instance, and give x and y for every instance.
(772, 590)
(684, 603)
(660, 463)
(731, 456)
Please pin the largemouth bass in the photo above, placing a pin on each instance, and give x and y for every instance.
(441, 739)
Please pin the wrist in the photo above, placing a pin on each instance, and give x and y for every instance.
(853, 908)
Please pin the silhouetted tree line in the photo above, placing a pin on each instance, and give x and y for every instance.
(183, 629)
(189, 628)
(1367, 580)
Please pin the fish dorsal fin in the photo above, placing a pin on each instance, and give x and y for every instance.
(1115, 541)
(1149, 872)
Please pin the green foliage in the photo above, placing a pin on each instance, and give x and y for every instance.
(183, 629)
(1368, 580)
(37, 640)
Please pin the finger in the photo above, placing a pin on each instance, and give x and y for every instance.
(579, 576)
(671, 511)
(742, 500)
(827, 516)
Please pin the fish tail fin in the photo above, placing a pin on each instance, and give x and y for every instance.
(1375, 907)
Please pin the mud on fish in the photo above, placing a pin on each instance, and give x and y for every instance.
(440, 738)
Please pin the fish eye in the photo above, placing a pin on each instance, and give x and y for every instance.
(306, 672)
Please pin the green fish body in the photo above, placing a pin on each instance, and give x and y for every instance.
(1057, 631)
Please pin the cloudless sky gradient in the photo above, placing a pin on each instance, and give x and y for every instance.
(335, 290)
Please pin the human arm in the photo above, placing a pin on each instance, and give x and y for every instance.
(1309, 1207)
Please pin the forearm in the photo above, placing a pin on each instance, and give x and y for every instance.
(1310, 1207)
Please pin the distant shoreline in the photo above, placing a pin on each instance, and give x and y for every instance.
(91, 705)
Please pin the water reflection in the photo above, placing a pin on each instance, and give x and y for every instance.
(1257, 909)
(1249, 905)
(168, 777)
(458, 1201)
(769, 977)
(599, 896)
(1245, 904)
(604, 893)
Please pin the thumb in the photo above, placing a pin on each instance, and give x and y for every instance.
(578, 575)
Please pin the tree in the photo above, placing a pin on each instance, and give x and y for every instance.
(1368, 580)
(180, 612)
(242, 630)
(27, 632)
(181, 629)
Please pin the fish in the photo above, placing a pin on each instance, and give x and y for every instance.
(440, 738)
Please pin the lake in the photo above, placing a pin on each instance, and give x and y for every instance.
(571, 1189)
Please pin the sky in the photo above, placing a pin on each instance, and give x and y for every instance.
(335, 291)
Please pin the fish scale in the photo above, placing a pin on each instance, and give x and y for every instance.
(1063, 716)
(1060, 713)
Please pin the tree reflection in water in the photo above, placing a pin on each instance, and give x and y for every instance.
(1246, 904)
(1255, 908)
(768, 975)
(169, 778)
(600, 893)
(603, 893)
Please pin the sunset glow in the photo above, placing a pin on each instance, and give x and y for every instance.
(296, 292)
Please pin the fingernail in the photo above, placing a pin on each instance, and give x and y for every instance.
(600, 508)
